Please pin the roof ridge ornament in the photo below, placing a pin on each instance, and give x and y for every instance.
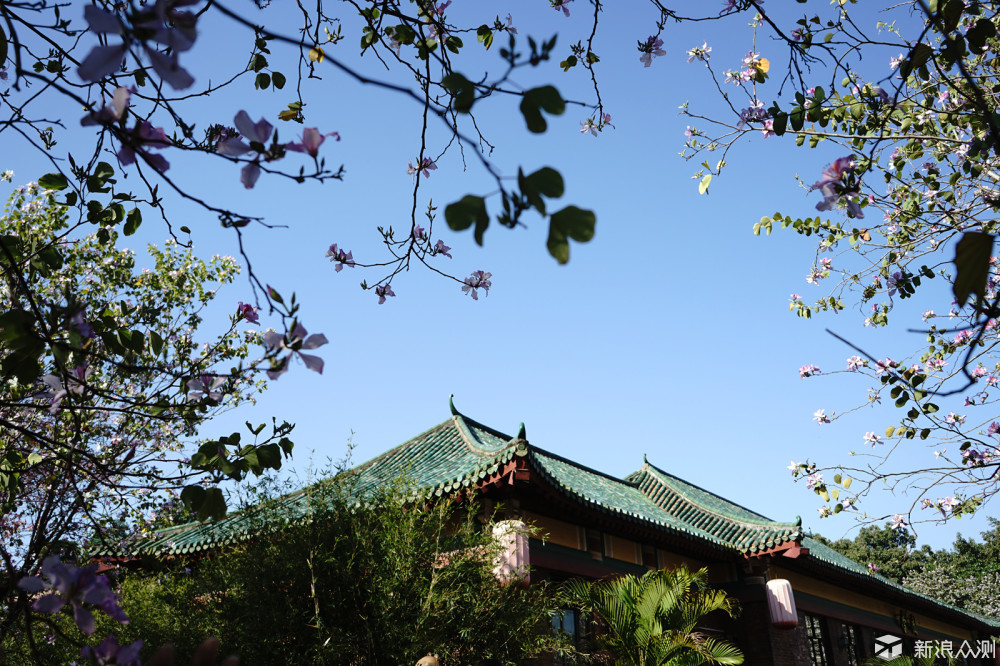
(521, 434)
(451, 405)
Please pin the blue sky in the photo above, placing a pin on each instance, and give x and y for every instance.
(668, 335)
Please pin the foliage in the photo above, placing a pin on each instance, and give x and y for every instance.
(890, 550)
(651, 620)
(106, 380)
(968, 576)
(907, 100)
(343, 582)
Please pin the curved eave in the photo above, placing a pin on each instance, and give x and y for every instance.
(678, 528)
(747, 536)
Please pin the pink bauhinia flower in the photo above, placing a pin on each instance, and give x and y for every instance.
(311, 141)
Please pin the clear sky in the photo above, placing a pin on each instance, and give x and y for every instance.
(668, 335)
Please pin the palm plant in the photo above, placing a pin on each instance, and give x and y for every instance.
(651, 620)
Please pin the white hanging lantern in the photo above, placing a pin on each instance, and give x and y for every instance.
(512, 558)
(781, 602)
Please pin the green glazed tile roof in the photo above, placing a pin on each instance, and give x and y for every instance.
(730, 523)
(461, 452)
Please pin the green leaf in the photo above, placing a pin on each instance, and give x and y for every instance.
(847, 482)
(978, 35)
(918, 57)
(463, 92)
(705, 182)
(213, 505)
(278, 79)
(97, 181)
(132, 222)
(890, 431)
(155, 343)
(52, 181)
(570, 222)
(485, 35)
(547, 182)
(466, 211)
(972, 266)
(262, 81)
(193, 497)
(537, 99)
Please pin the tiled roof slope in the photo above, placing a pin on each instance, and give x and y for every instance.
(460, 452)
(741, 528)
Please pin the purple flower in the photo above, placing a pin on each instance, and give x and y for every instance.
(993, 429)
(814, 480)
(652, 47)
(81, 325)
(560, 5)
(248, 312)
(478, 280)
(808, 371)
(259, 132)
(872, 568)
(311, 141)
(175, 30)
(872, 438)
(418, 233)
(798, 34)
(109, 652)
(382, 291)
(441, 248)
(342, 258)
(205, 385)
(510, 28)
(142, 138)
(898, 522)
(295, 343)
(75, 586)
(820, 416)
(113, 112)
(425, 166)
(834, 187)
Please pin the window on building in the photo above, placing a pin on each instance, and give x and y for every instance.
(852, 648)
(819, 654)
(565, 622)
(649, 557)
(595, 543)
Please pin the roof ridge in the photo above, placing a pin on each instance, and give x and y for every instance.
(625, 481)
(475, 444)
(660, 474)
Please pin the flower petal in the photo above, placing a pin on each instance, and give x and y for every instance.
(31, 584)
(249, 175)
(49, 603)
(84, 619)
(232, 147)
(315, 340)
(101, 20)
(314, 363)
(100, 62)
(170, 70)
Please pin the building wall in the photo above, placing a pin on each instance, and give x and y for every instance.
(867, 604)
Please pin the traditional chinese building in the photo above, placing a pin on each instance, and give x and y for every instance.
(592, 525)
